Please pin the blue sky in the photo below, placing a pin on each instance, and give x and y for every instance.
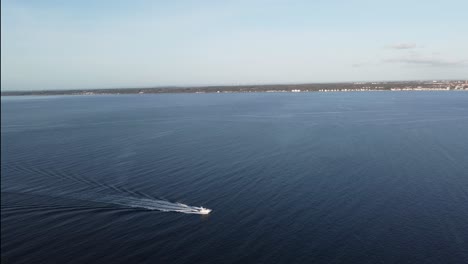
(105, 44)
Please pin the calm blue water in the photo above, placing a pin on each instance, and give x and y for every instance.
(379, 177)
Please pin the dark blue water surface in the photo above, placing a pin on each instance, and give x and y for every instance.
(378, 177)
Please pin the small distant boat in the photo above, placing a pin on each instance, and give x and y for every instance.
(204, 210)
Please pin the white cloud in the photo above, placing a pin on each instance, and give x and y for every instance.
(403, 46)
(429, 61)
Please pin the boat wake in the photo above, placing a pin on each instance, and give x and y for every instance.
(125, 201)
(152, 204)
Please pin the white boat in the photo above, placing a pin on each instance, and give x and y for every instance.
(204, 210)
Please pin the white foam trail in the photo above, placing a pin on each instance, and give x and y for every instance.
(152, 204)
(126, 201)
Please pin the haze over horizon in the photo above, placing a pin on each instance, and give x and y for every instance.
(47, 45)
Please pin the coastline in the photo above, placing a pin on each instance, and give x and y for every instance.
(458, 85)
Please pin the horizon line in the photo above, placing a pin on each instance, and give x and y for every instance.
(235, 85)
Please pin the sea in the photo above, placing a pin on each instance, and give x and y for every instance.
(345, 177)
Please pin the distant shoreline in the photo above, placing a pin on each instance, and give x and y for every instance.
(460, 85)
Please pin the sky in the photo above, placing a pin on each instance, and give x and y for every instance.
(87, 44)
